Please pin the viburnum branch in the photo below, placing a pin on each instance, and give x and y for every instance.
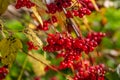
(67, 76)
(74, 25)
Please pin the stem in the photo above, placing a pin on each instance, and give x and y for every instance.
(23, 67)
(73, 4)
(34, 9)
(47, 65)
(90, 58)
(74, 25)
(1, 29)
(85, 20)
(95, 5)
(2, 33)
(72, 68)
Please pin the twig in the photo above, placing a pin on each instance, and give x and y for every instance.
(74, 25)
(47, 65)
(86, 24)
(23, 67)
(95, 5)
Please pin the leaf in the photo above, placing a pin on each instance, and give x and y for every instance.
(3, 5)
(39, 3)
(33, 37)
(107, 43)
(118, 70)
(9, 48)
(112, 76)
(14, 25)
(38, 67)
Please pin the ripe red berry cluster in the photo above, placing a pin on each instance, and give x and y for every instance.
(81, 11)
(3, 73)
(24, 3)
(87, 72)
(90, 42)
(31, 46)
(87, 3)
(47, 23)
(70, 49)
(58, 5)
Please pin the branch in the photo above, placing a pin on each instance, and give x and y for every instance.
(67, 76)
(95, 5)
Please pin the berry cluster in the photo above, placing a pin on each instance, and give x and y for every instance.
(58, 5)
(81, 12)
(24, 3)
(3, 73)
(31, 46)
(90, 42)
(87, 3)
(87, 72)
(47, 23)
(70, 49)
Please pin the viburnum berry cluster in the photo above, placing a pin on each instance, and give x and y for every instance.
(31, 46)
(3, 72)
(84, 8)
(57, 5)
(24, 3)
(84, 71)
(47, 23)
(70, 48)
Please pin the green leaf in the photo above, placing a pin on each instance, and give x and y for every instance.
(116, 38)
(14, 25)
(107, 43)
(112, 76)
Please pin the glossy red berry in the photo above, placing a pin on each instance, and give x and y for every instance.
(3, 73)
(24, 3)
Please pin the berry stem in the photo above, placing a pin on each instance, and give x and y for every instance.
(72, 68)
(85, 21)
(74, 25)
(73, 4)
(90, 58)
(95, 5)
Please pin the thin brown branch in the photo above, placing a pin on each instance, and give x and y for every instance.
(74, 25)
(48, 66)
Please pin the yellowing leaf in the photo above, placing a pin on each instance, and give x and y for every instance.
(33, 37)
(3, 5)
(8, 49)
(38, 67)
